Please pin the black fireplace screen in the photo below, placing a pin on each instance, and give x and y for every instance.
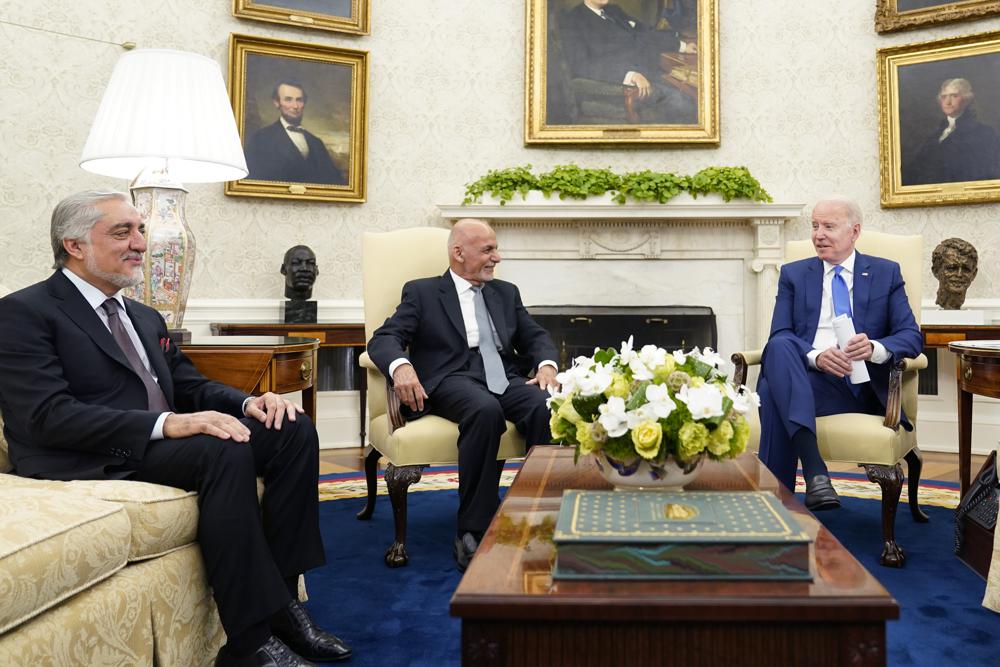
(577, 330)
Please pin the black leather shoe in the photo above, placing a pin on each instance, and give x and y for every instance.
(272, 654)
(293, 626)
(820, 494)
(464, 549)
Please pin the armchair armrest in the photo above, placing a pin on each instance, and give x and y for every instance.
(894, 399)
(392, 403)
(743, 361)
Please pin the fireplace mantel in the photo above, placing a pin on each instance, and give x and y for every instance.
(687, 252)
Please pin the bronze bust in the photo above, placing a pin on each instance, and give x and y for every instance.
(300, 271)
(955, 264)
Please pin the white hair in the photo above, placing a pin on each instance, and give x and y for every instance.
(75, 216)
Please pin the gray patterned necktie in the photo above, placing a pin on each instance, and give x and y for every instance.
(156, 400)
(496, 377)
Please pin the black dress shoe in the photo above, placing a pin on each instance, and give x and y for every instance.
(293, 626)
(272, 654)
(464, 549)
(820, 494)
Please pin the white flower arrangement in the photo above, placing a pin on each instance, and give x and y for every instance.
(650, 404)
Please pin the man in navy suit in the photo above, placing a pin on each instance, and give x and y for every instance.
(93, 388)
(604, 43)
(804, 372)
(284, 151)
(434, 347)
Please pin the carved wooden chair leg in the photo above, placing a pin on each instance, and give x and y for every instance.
(890, 478)
(914, 464)
(371, 480)
(398, 480)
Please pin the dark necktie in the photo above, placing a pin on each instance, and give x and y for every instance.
(156, 400)
(841, 295)
(496, 377)
(295, 128)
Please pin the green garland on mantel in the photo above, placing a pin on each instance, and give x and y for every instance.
(573, 182)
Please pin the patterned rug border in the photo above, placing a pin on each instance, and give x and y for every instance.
(340, 486)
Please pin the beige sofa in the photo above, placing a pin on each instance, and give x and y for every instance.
(101, 573)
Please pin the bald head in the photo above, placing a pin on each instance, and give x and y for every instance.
(472, 250)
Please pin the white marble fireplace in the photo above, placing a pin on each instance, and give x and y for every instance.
(689, 252)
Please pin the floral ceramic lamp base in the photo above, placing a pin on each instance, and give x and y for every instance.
(170, 253)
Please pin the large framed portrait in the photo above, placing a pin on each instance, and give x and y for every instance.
(350, 16)
(621, 72)
(302, 114)
(939, 121)
(893, 15)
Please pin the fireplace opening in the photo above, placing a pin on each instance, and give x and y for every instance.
(577, 330)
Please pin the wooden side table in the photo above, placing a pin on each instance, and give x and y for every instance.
(941, 335)
(328, 335)
(257, 364)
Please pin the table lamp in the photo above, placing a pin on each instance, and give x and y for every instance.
(165, 119)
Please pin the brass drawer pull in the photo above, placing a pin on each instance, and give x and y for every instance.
(657, 320)
(968, 373)
(585, 320)
(306, 369)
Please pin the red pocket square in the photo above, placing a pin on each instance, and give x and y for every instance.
(165, 344)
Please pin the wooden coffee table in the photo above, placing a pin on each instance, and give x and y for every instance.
(513, 614)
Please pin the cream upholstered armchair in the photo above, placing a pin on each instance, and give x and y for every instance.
(876, 443)
(388, 260)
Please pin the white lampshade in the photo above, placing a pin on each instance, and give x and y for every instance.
(165, 109)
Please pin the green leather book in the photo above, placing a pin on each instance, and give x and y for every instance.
(678, 535)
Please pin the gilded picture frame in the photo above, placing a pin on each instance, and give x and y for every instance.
(939, 122)
(895, 15)
(302, 114)
(579, 89)
(350, 16)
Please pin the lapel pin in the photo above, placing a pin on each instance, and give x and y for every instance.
(865, 274)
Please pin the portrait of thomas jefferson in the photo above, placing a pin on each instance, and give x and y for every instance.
(297, 120)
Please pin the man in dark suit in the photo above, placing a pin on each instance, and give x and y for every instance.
(961, 148)
(602, 42)
(450, 350)
(803, 373)
(284, 151)
(93, 388)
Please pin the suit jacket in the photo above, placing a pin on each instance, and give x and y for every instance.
(607, 49)
(271, 156)
(73, 407)
(428, 323)
(880, 309)
(970, 153)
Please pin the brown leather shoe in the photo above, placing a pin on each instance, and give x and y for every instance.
(293, 626)
(271, 654)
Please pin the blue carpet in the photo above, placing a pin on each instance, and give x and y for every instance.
(400, 617)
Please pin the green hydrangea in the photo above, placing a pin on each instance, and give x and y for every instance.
(661, 373)
(741, 436)
(719, 441)
(692, 440)
(569, 413)
(585, 436)
(562, 430)
(619, 386)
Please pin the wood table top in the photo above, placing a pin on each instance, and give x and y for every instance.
(510, 576)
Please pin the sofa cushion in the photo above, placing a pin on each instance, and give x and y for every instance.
(54, 545)
(162, 518)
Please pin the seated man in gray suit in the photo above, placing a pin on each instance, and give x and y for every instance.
(449, 349)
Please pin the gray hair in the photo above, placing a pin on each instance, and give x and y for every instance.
(75, 216)
(963, 85)
(854, 214)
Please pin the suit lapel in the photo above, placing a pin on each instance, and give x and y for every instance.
(862, 290)
(495, 307)
(814, 295)
(449, 300)
(79, 311)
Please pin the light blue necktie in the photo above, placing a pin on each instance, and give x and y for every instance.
(496, 377)
(841, 295)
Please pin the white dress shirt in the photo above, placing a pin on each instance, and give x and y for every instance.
(825, 337)
(465, 295)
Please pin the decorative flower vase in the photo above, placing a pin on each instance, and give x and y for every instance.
(642, 475)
